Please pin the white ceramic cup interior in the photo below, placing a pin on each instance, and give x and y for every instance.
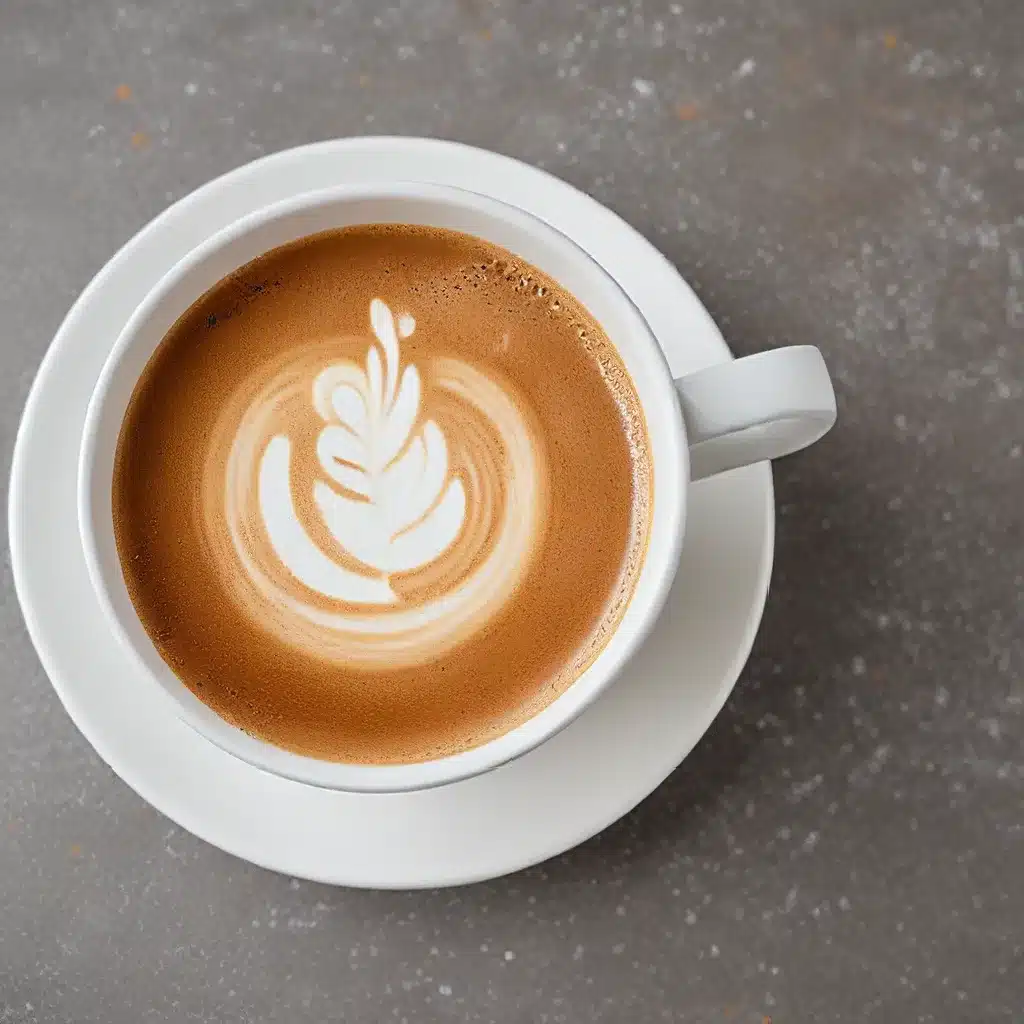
(741, 412)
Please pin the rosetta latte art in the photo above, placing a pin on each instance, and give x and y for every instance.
(396, 528)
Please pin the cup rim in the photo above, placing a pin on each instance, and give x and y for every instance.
(671, 475)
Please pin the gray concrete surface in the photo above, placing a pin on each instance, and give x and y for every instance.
(846, 843)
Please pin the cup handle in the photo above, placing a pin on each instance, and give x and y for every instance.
(760, 407)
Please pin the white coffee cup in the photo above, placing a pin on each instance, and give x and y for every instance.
(760, 407)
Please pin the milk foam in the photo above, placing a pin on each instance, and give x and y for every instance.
(388, 501)
(285, 403)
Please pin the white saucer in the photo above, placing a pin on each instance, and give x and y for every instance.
(553, 798)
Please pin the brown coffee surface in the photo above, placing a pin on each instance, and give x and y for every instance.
(544, 442)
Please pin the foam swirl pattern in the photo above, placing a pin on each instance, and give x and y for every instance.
(426, 506)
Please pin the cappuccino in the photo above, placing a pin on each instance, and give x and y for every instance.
(382, 494)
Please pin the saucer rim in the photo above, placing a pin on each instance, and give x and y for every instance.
(35, 615)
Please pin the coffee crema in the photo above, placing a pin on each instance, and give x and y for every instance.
(382, 494)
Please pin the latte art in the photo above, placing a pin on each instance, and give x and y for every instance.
(418, 556)
(382, 494)
(407, 510)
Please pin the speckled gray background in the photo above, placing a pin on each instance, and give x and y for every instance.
(846, 843)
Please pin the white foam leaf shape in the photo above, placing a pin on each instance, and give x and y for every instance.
(295, 547)
(383, 324)
(390, 632)
(342, 455)
(350, 407)
(405, 511)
